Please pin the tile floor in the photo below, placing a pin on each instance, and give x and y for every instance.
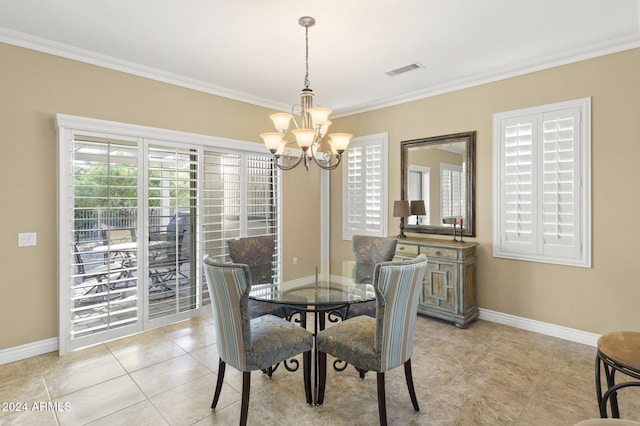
(488, 374)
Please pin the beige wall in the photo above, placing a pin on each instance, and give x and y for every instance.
(33, 88)
(595, 300)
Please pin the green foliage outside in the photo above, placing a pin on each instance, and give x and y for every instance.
(112, 191)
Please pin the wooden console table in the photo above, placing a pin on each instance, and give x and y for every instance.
(449, 289)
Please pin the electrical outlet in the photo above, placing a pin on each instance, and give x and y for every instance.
(295, 260)
(27, 239)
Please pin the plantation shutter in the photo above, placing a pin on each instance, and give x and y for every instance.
(173, 176)
(452, 190)
(354, 200)
(518, 185)
(104, 202)
(560, 183)
(137, 209)
(542, 183)
(261, 196)
(229, 212)
(364, 193)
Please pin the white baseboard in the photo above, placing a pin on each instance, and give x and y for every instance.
(49, 345)
(559, 331)
(26, 351)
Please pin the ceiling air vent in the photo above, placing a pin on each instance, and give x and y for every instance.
(404, 69)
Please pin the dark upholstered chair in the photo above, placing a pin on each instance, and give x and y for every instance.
(249, 344)
(384, 342)
(257, 253)
(367, 251)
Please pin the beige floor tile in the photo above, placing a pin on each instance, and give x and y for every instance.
(98, 401)
(207, 356)
(169, 374)
(140, 414)
(196, 338)
(65, 378)
(487, 374)
(53, 360)
(191, 402)
(144, 355)
(24, 369)
(22, 381)
(28, 418)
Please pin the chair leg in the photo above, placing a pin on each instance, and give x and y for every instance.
(412, 391)
(382, 401)
(216, 395)
(246, 386)
(361, 372)
(306, 371)
(322, 376)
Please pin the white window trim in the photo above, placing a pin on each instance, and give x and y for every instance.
(583, 259)
(378, 138)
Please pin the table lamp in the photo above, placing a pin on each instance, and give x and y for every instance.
(401, 209)
(418, 208)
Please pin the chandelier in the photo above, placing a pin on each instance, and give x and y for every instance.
(311, 125)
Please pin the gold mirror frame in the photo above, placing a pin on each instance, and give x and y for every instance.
(467, 139)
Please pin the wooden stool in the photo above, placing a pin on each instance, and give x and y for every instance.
(617, 351)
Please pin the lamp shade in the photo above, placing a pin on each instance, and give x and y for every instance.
(418, 207)
(319, 116)
(304, 137)
(401, 208)
(272, 140)
(281, 121)
(340, 141)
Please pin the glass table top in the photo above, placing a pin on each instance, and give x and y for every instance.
(317, 287)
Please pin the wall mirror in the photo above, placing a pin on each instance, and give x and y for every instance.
(441, 171)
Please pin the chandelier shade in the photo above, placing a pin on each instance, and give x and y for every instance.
(311, 124)
(272, 140)
(281, 121)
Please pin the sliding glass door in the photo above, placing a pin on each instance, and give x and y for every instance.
(136, 216)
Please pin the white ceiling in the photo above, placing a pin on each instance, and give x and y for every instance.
(254, 50)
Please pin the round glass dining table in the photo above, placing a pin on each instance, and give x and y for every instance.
(324, 295)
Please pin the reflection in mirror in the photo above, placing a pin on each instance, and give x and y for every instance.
(441, 171)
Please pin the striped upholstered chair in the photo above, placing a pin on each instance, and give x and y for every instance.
(386, 341)
(249, 344)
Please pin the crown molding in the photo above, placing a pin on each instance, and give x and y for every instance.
(565, 58)
(66, 51)
(39, 44)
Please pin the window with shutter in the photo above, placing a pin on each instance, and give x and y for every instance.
(452, 191)
(542, 175)
(364, 194)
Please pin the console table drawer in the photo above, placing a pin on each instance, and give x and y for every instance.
(444, 253)
(407, 249)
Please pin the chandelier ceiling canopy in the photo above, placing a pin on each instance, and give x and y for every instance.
(311, 125)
